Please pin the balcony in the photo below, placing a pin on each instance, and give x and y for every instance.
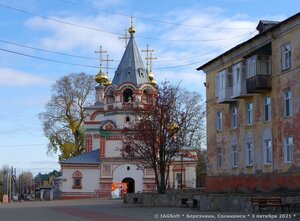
(258, 74)
(239, 90)
(259, 83)
(224, 86)
(224, 96)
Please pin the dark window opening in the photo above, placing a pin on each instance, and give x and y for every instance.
(127, 119)
(127, 95)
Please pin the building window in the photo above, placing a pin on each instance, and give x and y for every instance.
(249, 154)
(251, 66)
(219, 158)
(249, 115)
(219, 121)
(127, 119)
(268, 151)
(234, 117)
(286, 59)
(77, 180)
(288, 149)
(179, 178)
(288, 104)
(234, 159)
(267, 115)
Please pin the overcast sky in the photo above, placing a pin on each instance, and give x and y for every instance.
(183, 34)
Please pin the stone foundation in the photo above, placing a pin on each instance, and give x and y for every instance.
(205, 202)
(270, 182)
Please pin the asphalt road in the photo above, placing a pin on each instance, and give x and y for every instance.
(115, 210)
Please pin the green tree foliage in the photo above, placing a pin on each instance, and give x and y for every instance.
(64, 116)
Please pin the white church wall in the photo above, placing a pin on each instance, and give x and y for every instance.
(113, 148)
(99, 117)
(121, 172)
(90, 180)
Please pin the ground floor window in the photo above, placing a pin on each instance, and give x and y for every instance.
(77, 180)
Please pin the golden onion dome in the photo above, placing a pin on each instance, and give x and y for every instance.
(150, 75)
(131, 30)
(108, 82)
(101, 78)
(153, 82)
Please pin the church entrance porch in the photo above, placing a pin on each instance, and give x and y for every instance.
(130, 184)
(131, 174)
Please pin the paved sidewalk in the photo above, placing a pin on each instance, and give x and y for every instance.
(115, 210)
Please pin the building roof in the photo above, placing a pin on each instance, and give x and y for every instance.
(131, 67)
(275, 25)
(47, 175)
(92, 157)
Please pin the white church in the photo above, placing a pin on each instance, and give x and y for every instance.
(93, 173)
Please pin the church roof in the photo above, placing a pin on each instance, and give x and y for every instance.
(92, 157)
(131, 67)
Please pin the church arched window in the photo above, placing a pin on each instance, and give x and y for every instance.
(127, 95)
(77, 180)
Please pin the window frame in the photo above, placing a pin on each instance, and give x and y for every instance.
(288, 103)
(234, 156)
(267, 109)
(77, 180)
(234, 117)
(288, 149)
(251, 66)
(268, 152)
(249, 154)
(249, 113)
(286, 56)
(219, 123)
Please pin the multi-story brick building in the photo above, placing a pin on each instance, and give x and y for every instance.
(253, 112)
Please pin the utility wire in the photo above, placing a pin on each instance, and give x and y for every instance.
(90, 66)
(199, 55)
(47, 59)
(22, 145)
(44, 50)
(92, 58)
(56, 20)
(114, 33)
(192, 63)
(146, 19)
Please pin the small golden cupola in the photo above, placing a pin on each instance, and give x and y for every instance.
(149, 59)
(102, 78)
(131, 30)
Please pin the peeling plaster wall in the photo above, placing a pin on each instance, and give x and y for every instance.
(279, 126)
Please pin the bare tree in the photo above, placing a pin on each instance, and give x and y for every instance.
(162, 126)
(64, 116)
(201, 169)
(26, 182)
(192, 109)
